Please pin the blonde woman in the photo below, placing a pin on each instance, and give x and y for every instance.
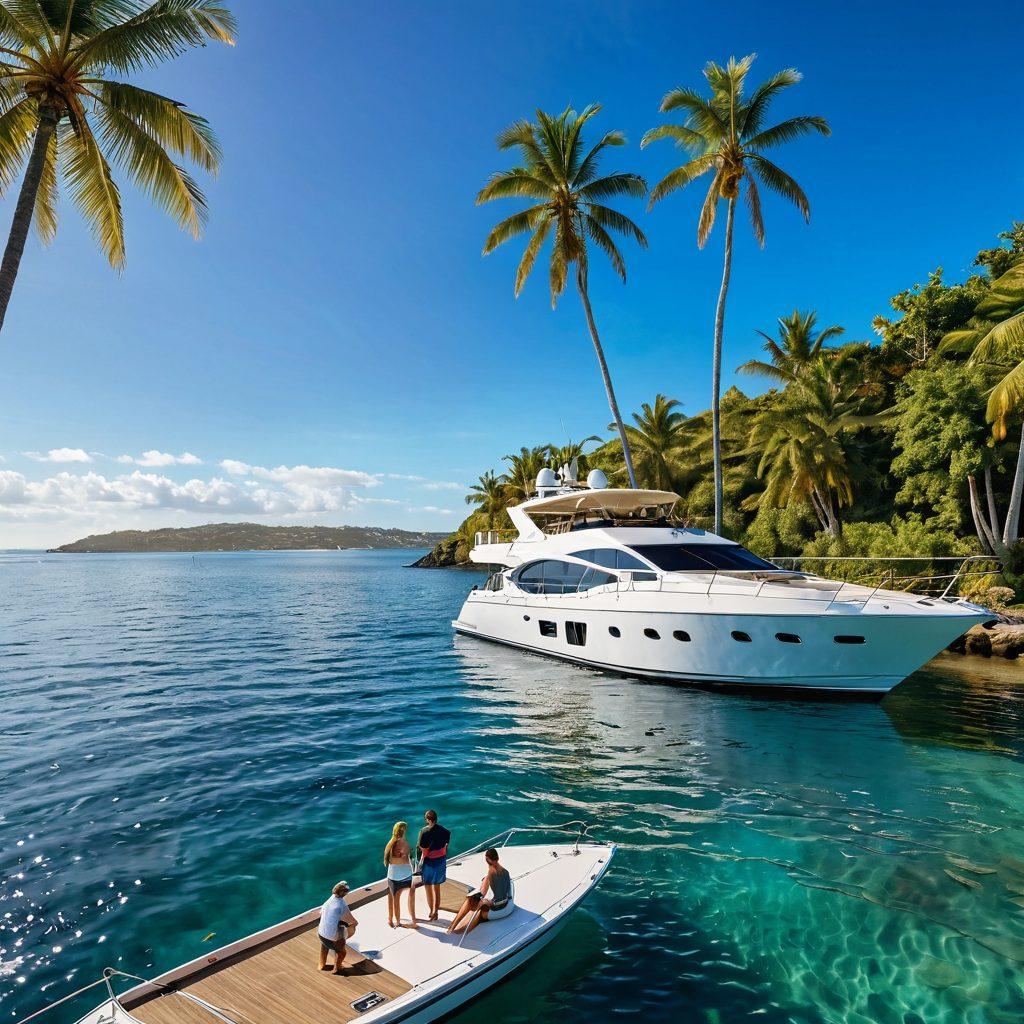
(398, 861)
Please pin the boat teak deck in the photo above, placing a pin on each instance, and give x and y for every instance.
(279, 981)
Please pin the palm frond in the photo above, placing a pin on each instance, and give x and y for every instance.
(1003, 341)
(148, 164)
(614, 185)
(159, 33)
(753, 198)
(605, 242)
(1006, 397)
(514, 183)
(17, 125)
(787, 131)
(780, 182)
(760, 99)
(702, 115)
(681, 177)
(517, 224)
(584, 174)
(95, 193)
(708, 210)
(176, 128)
(520, 134)
(682, 136)
(615, 221)
(563, 254)
(533, 247)
(14, 31)
(759, 368)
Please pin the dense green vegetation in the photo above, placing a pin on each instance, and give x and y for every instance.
(909, 444)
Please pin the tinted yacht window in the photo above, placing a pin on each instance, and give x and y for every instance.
(691, 557)
(550, 577)
(610, 558)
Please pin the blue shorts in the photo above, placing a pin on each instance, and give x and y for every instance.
(434, 870)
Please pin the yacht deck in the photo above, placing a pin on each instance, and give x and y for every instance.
(278, 980)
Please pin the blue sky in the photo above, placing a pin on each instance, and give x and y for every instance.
(337, 333)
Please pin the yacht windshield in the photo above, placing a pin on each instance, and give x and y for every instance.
(700, 557)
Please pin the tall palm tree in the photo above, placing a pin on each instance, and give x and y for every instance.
(797, 347)
(572, 450)
(63, 112)
(656, 438)
(560, 174)
(489, 494)
(996, 336)
(726, 135)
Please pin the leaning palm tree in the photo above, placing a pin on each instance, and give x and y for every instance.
(63, 113)
(797, 347)
(725, 134)
(560, 174)
(489, 495)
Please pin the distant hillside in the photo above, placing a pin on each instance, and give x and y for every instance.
(253, 537)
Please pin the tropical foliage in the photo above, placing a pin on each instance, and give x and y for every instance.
(559, 173)
(726, 137)
(878, 449)
(67, 115)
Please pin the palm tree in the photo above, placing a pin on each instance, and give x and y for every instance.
(797, 347)
(489, 494)
(560, 174)
(996, 336)
(725, 134)
(807, 441)
(524, 467)
(572, 450)
(64, 113)
(656, 438)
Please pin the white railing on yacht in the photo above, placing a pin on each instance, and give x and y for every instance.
(494, 537)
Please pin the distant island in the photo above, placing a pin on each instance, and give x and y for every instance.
(251, 537)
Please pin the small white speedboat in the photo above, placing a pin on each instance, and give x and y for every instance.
(395, 974)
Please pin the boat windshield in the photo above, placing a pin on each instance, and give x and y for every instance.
(701, 557)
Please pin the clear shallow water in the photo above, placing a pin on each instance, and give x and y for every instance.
(191, 749)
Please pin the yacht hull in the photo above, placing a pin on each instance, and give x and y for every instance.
(783, 652)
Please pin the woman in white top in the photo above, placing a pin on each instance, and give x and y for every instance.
(398, 861)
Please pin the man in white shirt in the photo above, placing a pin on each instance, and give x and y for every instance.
(336, 924)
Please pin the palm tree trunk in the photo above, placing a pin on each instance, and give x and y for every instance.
(990, 497)
(581, 283)
(980, 526)
(1011, 530)
(48, 117)
(716, 369)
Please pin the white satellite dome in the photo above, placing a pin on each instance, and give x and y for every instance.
(596, 480)
(546, 478)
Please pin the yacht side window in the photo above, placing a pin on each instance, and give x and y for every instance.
(496, 581)
(595, 578)
(611, 558)
(550, 577)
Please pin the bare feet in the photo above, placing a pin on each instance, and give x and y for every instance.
(326, 967)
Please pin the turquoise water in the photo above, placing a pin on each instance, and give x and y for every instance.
(194, 748)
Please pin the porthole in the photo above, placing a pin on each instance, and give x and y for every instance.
(615, 631)
(853, 639)
(788, 638)
(526, 618)
(652, 634)
(681, 635)
(740, 637)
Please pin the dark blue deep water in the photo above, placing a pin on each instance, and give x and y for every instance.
(194, 748)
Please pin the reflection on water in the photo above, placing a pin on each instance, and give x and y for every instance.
(191, 751)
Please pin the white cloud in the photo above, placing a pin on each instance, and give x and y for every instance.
(60, 455)
(302, 476)
(154, 459)
(436, 510)
(443, 485)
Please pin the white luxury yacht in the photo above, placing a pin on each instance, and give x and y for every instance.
(607, 578)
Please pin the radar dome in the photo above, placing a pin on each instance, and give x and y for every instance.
(596, 480)
(546, 478)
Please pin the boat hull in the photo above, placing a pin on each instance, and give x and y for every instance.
(786, 652)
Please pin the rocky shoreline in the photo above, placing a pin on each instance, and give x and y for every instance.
(1000, 640)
